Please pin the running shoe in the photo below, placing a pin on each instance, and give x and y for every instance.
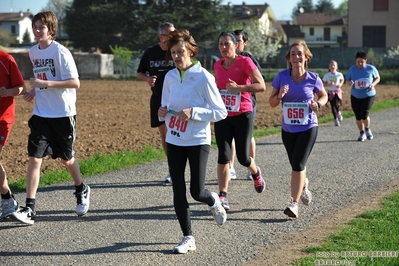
(224, 202)
(186, 244)
(233, 174)
(218, 212)
(24, 215)
(340, 117)
(82, 201)
(337, 122)
(369, 135)
(306, 195)
(361, 137)
(292, 209)
(259, 182)
(249, 175)
(168, 180)
(8, 207)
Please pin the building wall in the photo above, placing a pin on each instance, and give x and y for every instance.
(360, 13)
(317, 40)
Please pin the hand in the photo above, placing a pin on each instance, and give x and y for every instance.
(151, 80)
(3, 92)
(29, 95)
(314, 105)
(371, 87)
(232, 86)
(37, 83)
(283, 91)
(162, 111)
(184, 114)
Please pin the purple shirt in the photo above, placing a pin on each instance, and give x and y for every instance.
(299, 93)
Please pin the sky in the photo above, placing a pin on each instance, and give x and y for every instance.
(282, 9)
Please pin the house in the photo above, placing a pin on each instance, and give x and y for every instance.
(373, 23)
(290, 32)
(263, 14)
(318, 29)
(17, 24)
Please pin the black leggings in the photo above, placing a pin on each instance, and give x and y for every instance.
(298, 147)
(177, 159)
(335, 106)
(240, 128)
(361, 107)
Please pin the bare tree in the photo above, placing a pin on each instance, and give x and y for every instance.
(59, 7)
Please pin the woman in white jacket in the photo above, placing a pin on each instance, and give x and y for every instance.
(190, 101)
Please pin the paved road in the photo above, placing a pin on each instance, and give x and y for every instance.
(132, 222)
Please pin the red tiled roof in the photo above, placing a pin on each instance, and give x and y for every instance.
(319, 19)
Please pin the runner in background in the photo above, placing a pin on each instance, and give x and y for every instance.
(236, 77)
(333, 81)
(152, 69)
(242, 40)
(362, 78)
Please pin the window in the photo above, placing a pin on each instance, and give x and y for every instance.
(311, 31)
(13, 29)
(374, 36)
(381, 5)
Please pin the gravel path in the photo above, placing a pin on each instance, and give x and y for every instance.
(132, 222)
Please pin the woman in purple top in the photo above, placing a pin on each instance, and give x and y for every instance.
(295, 88)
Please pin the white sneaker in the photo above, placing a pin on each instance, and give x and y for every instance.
(369, 135)
(168, 180)
(24, 215)
(218, 212)
(8, 207)
(82, 201)
(337, 122)
(233, 174)
(292, 209)
(361, 137)
(340, 118)
(249, 175)
(306, 195)
(185, 245)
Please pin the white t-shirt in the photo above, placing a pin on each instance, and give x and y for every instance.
(333, 78)
(54, 63)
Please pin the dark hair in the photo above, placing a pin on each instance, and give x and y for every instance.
(182, 36)
(49, 19)
(163, 26)
(308, 54)
(230, 34)
(361, 54)
(243, 33)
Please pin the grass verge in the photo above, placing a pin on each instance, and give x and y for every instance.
(370, 239)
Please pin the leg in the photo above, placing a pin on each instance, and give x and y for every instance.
(73, 168)
(162, 132)
(33, 177)
(232, 158)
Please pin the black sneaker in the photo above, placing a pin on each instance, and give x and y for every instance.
(24, 215)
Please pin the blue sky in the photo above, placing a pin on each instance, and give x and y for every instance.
(282, 9)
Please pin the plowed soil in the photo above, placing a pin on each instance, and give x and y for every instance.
(114, 116)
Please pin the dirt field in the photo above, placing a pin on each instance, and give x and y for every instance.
(114, 116)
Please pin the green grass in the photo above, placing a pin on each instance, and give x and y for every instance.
(369, 232)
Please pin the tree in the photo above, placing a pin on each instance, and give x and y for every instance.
(393, 53)
(303, 6)
(26, 38)
(260, 45)
(133, 23)
(122, 57)
(343, 8)
(59, 7)
(325, 6)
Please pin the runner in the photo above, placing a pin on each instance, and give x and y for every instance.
(334, 80)
(190, 101)
(295, 88)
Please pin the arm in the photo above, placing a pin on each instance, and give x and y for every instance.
(277, 95)
(257, 85)
(62, 84)
(149, 79)
(18, 90)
